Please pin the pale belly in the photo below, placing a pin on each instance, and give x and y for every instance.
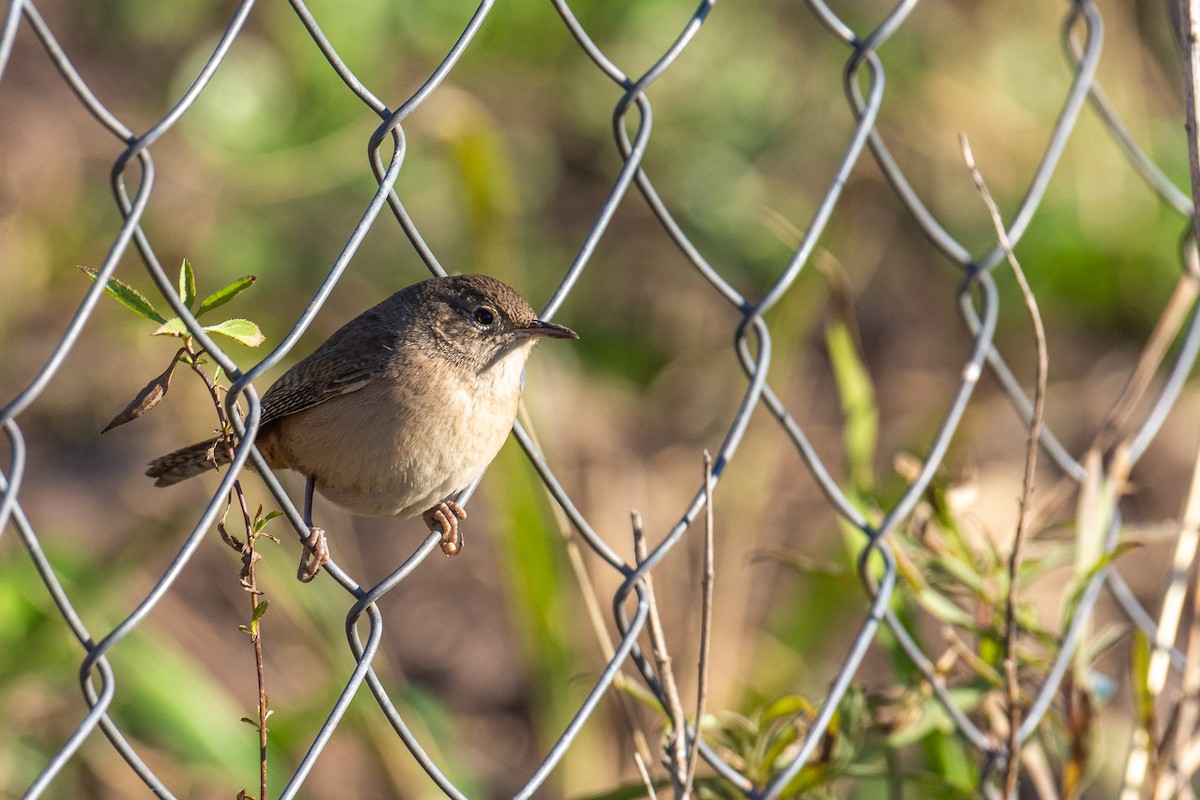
(387, 450)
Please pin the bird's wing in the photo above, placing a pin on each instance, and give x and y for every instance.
(349, 360)
(301, 394)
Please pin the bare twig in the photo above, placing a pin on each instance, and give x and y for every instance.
(1033, 757)
(1012, 767)
(677, 747)
(706, 589)
(645, 775)
(1176, 774)
(1191, 85)
(1181, 768)
(1182, 562)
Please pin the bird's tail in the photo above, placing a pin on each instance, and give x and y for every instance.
(187, 462)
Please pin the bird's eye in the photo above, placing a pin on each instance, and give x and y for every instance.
(483, 315)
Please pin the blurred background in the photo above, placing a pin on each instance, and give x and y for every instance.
(489, 655)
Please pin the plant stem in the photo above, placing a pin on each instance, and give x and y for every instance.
(249, 579)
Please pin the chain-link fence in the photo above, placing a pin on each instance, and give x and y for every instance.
(905, 597)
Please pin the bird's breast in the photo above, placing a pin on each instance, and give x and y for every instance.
(397, 447)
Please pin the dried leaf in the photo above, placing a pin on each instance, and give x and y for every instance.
(146, 399)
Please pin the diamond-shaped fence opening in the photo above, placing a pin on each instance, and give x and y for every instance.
(764, 221)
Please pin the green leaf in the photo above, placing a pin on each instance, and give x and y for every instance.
(857, 395)
(261, 522)
(127, 296)
(252, 628)
(943, 608)
(172, 327)
(240, 330)
(639, 693)
(223, 296)
(1083, 579)
(187, 284)
(789, 705)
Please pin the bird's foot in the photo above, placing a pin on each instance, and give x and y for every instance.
(314, 554)
(446, 515)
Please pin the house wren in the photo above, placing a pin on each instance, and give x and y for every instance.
(398, 410)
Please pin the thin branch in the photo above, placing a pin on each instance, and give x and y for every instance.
(249, 578)
(1191, 84)
(706, 590)
(1184, 567)
(640, 763)
(1181, 767)
(1012, 767)
(677, 747)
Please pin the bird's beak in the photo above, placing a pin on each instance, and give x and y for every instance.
(552, 330)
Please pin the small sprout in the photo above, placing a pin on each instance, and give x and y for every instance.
(254, 723)
(252, 628)
(261, 521)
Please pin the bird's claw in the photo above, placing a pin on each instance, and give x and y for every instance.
(446, 516)
(314, 554)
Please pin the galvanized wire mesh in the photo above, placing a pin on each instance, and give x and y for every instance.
(133, 184)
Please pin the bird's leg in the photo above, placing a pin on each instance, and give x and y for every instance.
(446, 515)
(316, 549)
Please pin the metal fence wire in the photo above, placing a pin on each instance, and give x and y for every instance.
(983, 270)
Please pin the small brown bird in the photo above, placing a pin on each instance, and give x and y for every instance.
(400, 409)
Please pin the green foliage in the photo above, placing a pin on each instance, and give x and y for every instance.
(198, 725)
(953, 578)
(858, 400)
(240, 330)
